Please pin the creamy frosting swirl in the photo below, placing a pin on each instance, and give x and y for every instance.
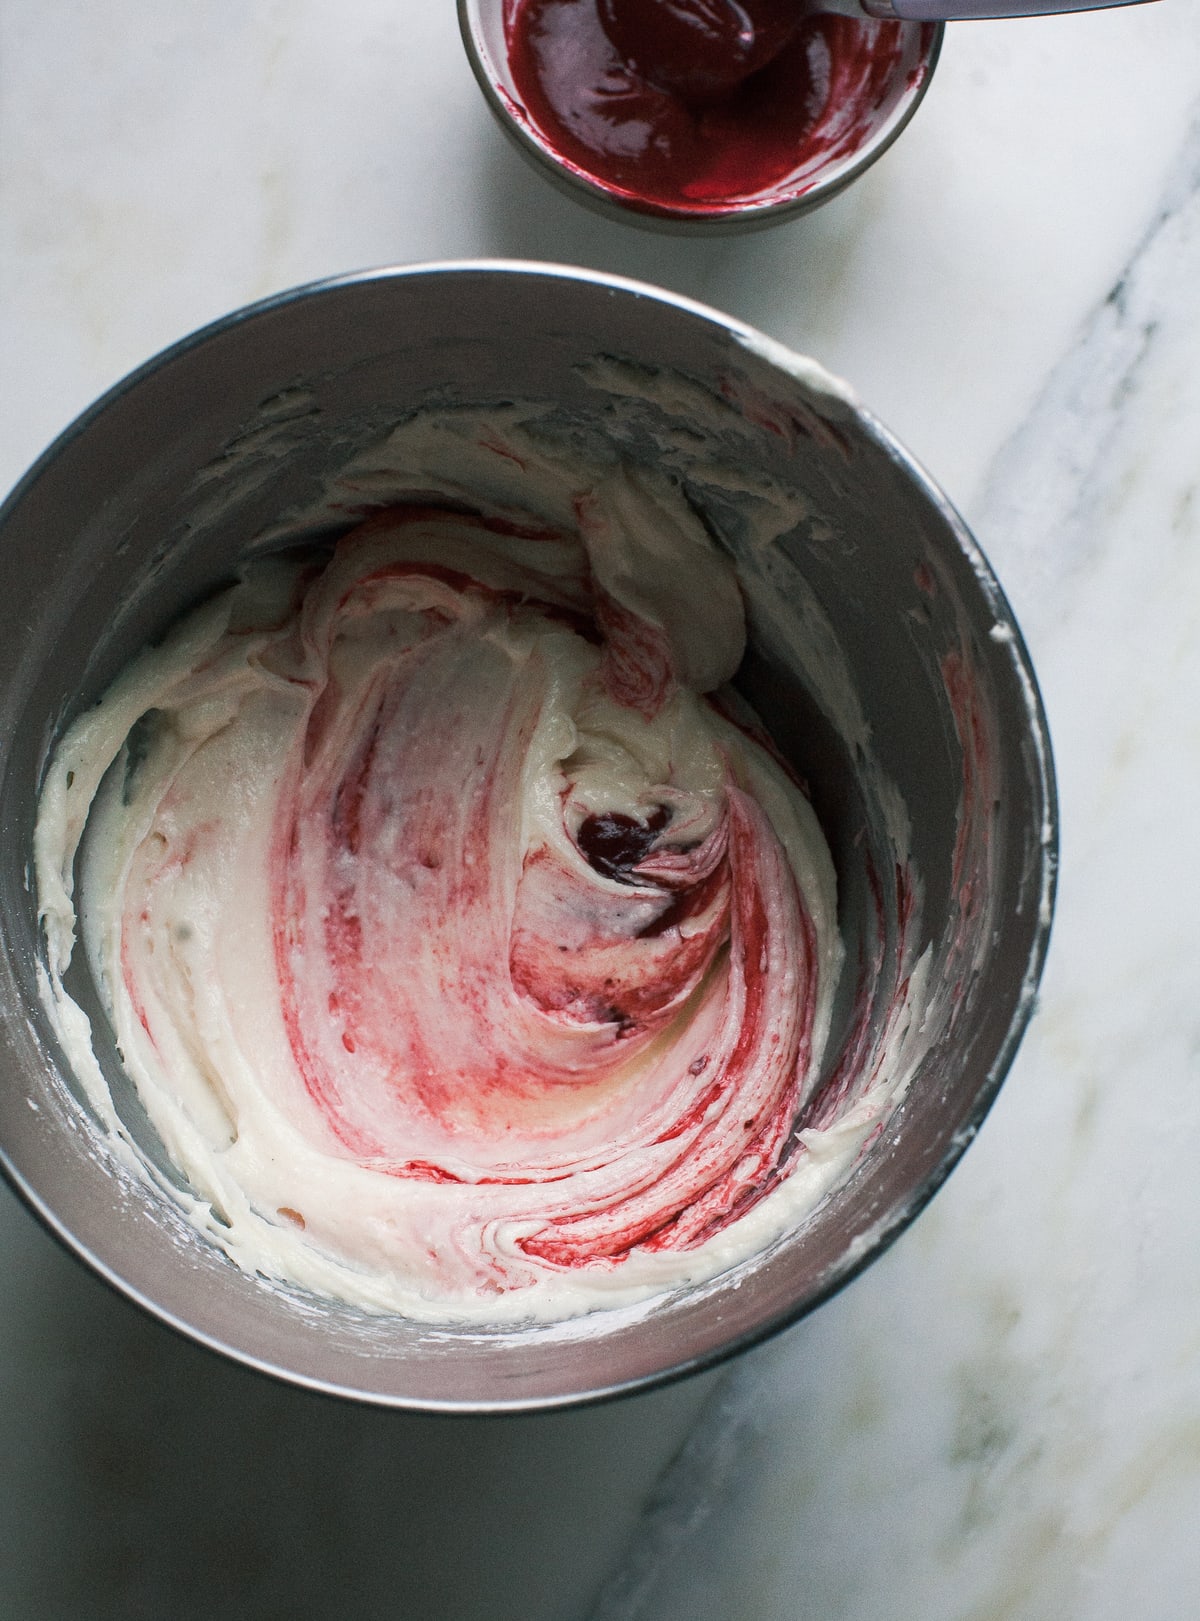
(467, 943)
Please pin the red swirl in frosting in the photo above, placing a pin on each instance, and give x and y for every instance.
(621, 1018)
(467, 943)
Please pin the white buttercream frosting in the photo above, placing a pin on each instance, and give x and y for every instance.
(469, 948)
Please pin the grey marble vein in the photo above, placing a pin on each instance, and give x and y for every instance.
(1038, 509)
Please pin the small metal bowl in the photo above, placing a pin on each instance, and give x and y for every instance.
(158, 491)
(907, 53)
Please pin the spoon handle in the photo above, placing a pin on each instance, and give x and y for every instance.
(956, 10)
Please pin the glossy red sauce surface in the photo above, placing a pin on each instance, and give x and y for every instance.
(700, 49)
(660, 108)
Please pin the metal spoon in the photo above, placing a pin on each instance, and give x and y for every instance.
(959, 10)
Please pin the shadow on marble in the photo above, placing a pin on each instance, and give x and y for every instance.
(524, 216)
(144, 1477)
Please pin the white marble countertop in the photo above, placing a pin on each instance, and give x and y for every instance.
(1000, 1421)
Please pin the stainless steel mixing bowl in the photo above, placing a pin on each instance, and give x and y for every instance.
(151, 498)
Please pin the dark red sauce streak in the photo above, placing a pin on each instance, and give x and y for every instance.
(614, 843)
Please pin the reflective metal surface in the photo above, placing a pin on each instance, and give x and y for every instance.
(150, 500)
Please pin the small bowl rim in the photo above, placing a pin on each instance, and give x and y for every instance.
(616, 205)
